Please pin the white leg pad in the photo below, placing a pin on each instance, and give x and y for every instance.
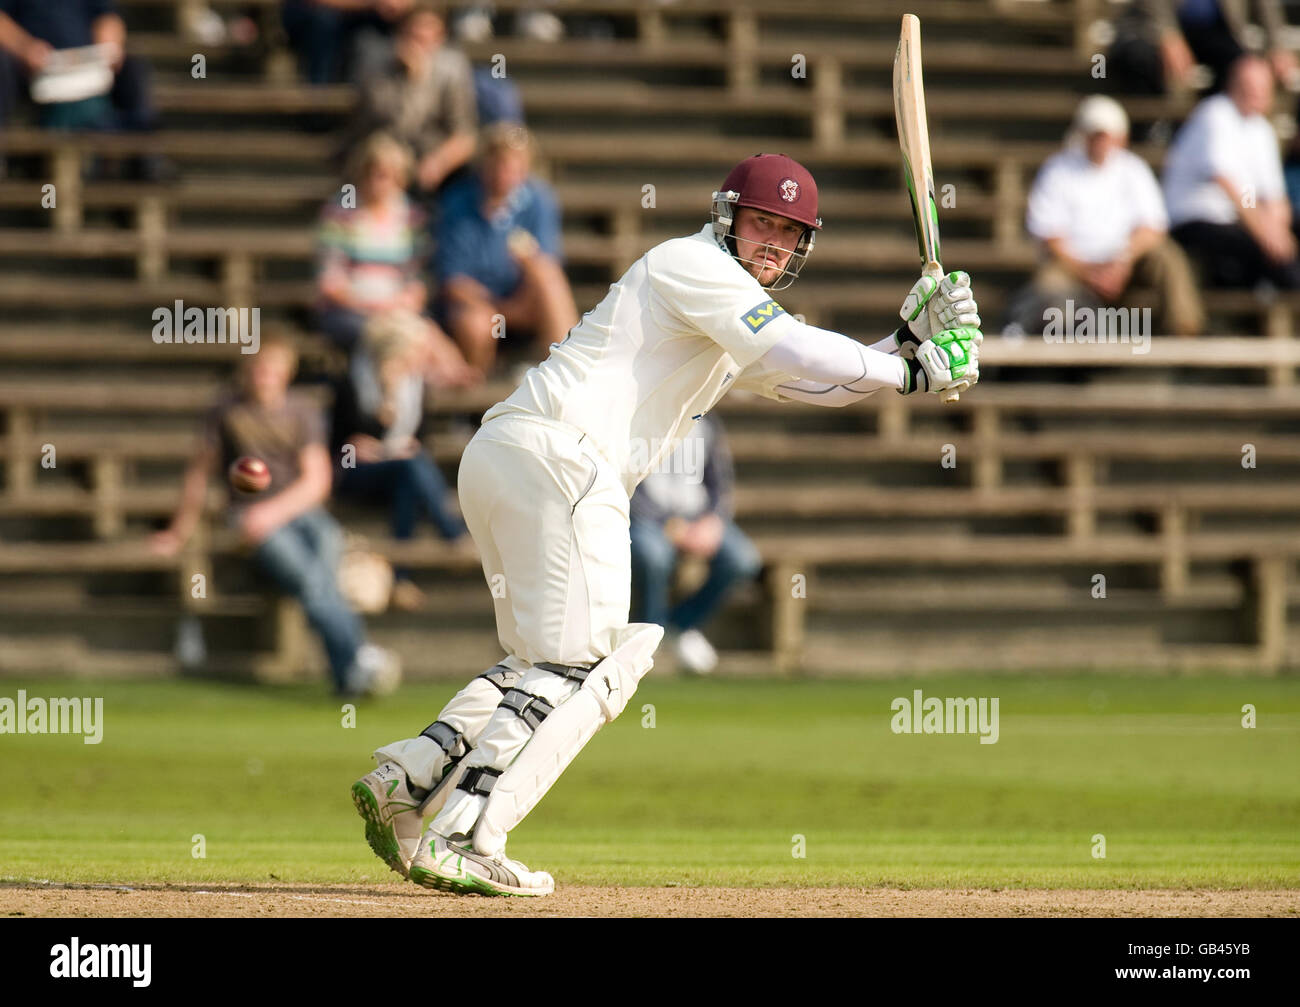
(424, 760)
(561, 736)
(501, 740)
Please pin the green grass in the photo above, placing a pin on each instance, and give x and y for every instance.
(713, 794)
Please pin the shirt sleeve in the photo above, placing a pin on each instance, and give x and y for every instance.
(1272, 185)
(546, 220)
(714, 296)
(1148, 202)
(763, 379)
(311, 425)
(453, 248)
(719, 473)
(1047, 215)
(461, 110)
(417, 225)
(1219, 142)
(331, 247)
(645, 509)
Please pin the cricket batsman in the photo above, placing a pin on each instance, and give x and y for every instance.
(544, 487)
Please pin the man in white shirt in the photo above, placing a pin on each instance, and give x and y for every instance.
(1097, 209)
(1224, 186)
(545, 485)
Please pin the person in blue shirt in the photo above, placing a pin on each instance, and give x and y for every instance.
(497, 260)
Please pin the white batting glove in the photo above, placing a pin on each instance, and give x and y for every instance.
(935, 306)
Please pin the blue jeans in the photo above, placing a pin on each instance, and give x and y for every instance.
(322, 37)
(342, 326)
(414, 486)
(654, 559)
(302, 558)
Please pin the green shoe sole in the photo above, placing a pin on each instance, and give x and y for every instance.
(466, 885)
(381, 837)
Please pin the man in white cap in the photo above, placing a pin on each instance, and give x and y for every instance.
(1097, 210)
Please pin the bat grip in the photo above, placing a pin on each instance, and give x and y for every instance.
(935, 271)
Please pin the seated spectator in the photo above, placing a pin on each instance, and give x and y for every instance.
(340, 40)
(684, 508)
(497, 98)
(372, 261)
(497, 255)
(31, 31)
(424, 97)
(1158, 43)
(1217, 34)
(293, 541)
(1097, 209)
(378, 424)
(1224, 186)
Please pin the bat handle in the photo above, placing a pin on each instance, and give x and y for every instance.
(935, 271)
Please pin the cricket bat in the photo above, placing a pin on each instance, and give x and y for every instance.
(914, 141)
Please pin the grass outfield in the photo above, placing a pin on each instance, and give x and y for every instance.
(714, 794)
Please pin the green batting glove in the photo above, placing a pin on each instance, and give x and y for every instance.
(949, 360)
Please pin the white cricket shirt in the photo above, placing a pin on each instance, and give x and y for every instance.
(657, 353)
(1217, 140)
(1094, 208)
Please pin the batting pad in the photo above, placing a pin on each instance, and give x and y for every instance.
(468, 712)
(559, 739)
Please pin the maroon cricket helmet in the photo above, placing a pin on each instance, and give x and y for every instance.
(776, 184)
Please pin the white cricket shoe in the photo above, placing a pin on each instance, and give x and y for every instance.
(452, 865)
(381, 670)
(694, 652)
(392, 816)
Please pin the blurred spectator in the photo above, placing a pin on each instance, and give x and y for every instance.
(294, 542)
(497, 98)
(372, 259)
(342, 39)
(424, 97)
(378, 426)
(31, 31)
(1097, 209)
(1158, 43)
(1224, 186)
(685, 508)
(497, 256)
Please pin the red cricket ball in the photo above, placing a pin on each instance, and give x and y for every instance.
(249, 474)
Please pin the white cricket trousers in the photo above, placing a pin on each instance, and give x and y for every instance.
(549, 515)
(550, 518)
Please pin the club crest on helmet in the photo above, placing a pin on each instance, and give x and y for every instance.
(789, 190)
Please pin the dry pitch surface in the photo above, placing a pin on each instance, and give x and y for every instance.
(404, 900)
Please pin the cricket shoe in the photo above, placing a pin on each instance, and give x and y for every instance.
(392, 816)
(450, 864)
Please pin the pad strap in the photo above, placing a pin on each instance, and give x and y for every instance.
(532, 710)
(576, 672)
(479, 780)
(445, 737)
(502, 677)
